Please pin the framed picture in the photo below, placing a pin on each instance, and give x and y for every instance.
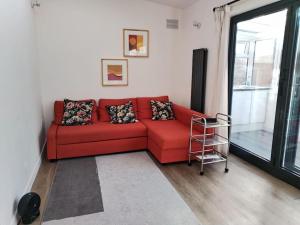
(114, 72)
(135, 43)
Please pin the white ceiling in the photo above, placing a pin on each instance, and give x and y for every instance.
(175, 3)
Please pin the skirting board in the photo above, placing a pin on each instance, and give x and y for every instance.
(30, 181)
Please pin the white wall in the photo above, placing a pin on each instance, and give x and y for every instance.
(21, 129)
(192, 38)
(74, 35)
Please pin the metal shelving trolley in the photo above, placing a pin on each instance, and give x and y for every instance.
(210, 141)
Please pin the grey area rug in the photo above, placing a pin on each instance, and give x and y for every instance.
(75, 190)
(135, 192)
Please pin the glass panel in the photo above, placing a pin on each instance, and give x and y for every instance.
(241, 65)
(259, 44)
(263, 63)
(292, 148)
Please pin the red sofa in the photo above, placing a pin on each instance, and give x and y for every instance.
(168, 140)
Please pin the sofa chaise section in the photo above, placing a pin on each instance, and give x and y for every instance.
(168, 140)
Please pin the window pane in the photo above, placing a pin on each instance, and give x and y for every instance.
(264, 63)
(241, 65)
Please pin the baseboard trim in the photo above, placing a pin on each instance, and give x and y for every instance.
(30, 181)
(35, 170)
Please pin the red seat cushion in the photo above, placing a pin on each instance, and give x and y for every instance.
(59, 111)
(144, 106)
(100, 131)
(168, 134)
(103, 114)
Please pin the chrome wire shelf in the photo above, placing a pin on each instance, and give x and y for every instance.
(211, 158)
(211, 141)
(209, 152)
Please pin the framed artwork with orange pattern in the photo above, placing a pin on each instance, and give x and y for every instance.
(114, 72)
(135, 43)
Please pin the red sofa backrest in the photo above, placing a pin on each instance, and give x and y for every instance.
(59, 111)
(144, 107)
(104, 116)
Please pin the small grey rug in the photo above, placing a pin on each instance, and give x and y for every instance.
(135, 192)
(75, 190)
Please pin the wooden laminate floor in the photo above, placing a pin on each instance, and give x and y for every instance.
(244, 196)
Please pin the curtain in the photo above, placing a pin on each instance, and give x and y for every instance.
(220, 93)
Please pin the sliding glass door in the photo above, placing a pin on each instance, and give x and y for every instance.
(258, 51)
(264, 88)
(292, 146)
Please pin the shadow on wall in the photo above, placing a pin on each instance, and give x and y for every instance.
(42, 135)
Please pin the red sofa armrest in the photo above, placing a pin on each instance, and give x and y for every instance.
(184, 115)
(51, 141)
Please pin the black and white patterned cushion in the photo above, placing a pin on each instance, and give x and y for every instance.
(121, 113)
(162, 110)
(77, 112)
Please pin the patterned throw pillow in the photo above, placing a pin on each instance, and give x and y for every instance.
(121, 113)
(77, 112)
(162, 110)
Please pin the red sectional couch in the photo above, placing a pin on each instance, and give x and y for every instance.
(168, 140)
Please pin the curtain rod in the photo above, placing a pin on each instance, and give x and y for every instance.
(229, 3)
